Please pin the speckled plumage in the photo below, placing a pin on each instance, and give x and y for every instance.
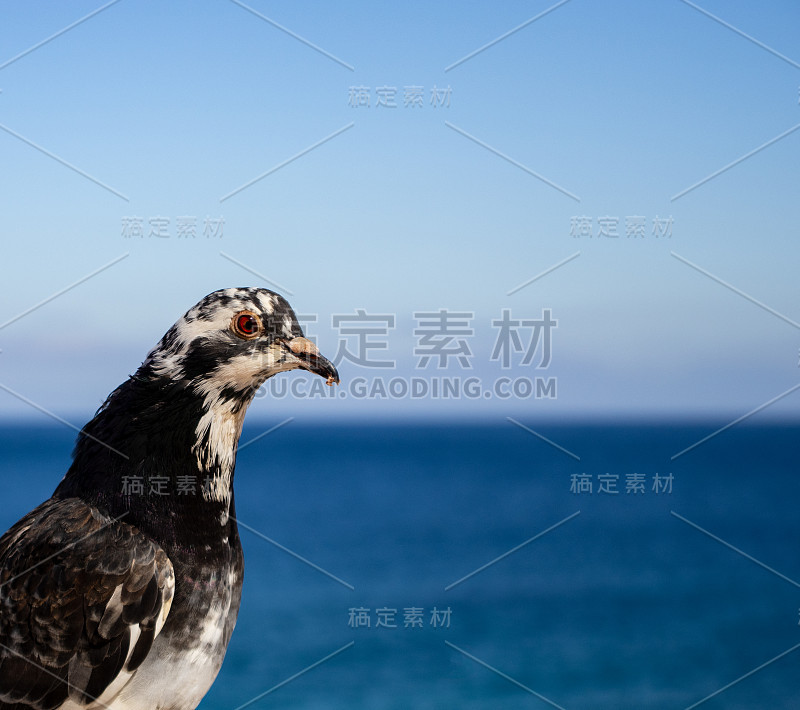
(125, 600)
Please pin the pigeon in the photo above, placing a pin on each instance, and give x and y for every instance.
(117, 595)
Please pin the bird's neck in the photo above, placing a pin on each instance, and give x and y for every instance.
(157, 451)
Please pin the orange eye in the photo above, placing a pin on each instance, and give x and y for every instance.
(246, 325)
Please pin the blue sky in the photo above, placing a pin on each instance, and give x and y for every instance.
(592, 119)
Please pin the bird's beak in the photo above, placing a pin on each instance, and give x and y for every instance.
(311, 360)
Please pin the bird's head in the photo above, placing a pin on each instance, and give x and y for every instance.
(181, 413)
(219, 353)
(227, 345)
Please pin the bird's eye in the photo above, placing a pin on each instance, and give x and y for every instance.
(246, 325)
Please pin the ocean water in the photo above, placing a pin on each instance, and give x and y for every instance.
(461, 566)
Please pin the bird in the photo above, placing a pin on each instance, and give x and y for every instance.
(112, 596)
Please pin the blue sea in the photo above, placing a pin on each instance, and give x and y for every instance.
(591, 565)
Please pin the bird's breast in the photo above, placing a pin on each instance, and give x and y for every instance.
(188, 653)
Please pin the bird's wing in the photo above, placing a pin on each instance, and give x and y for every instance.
(82, 596)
